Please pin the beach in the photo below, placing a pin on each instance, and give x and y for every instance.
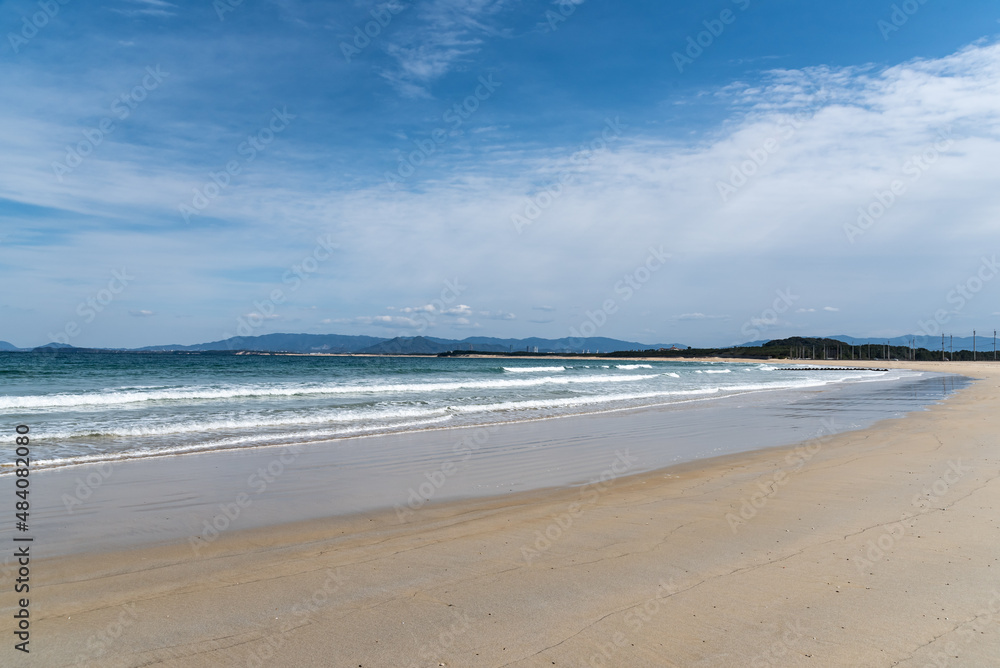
(871, 547)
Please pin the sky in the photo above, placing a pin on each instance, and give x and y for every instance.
(707, 172)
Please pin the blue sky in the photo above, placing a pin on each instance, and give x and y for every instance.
(178, 172)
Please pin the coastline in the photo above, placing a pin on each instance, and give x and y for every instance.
(686, 565)
(129, 502)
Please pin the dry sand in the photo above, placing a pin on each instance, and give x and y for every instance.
(873, 548)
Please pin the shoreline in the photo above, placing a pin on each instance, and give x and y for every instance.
(127, 503)
(648, 569)
(116, 457)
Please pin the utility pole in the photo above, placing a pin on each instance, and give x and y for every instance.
(973, 345)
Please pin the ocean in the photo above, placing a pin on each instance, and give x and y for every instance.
(94, 407)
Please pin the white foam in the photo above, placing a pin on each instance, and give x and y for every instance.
(570, 402)
(253, 421)
(228, 443)
(64, 401)
(533, 369)
(635, 366)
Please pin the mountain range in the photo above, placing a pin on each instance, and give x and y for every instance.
(428, 345)
(339, 343)
(982, 343)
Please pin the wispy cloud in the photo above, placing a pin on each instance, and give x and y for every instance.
(857, 127)
(148, 8)
(443, 36)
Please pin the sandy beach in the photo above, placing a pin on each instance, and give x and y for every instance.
(868, 548)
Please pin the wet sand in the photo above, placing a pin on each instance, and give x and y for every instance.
(874, 547)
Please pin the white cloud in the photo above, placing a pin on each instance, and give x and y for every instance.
(830, 308)
(148, 8)
(859, 128)
(498, 315)
(444, 34)
(458, 310)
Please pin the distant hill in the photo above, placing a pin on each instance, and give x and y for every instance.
(593, 344)
(290, 343)
(927, 347)
(983, 342)
(415, 345)
(752, 344)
